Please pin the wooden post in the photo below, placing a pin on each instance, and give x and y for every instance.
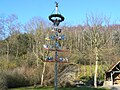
(112, 78)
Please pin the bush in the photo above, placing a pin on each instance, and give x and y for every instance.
(3, 83)
(16, 80)
(89, 81)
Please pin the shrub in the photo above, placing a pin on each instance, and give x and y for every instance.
(16, 80)
(3, 83)
(21, 77)
(12, 79)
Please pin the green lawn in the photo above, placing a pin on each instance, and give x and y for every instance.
(51, 88)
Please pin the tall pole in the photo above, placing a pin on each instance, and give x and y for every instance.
(56, 19)
(56, 57)
(56, 72)
(56, 7)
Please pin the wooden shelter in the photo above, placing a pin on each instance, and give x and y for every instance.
(113, 74)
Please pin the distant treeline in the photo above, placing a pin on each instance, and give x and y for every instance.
(22, 45)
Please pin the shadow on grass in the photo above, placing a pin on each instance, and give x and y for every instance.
(82, 88)
(52, 88)
(35, 88)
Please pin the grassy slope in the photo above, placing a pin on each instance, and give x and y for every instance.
(50, 88)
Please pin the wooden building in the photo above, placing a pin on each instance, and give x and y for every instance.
(113, 75)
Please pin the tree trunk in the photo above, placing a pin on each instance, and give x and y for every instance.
(90, 68)
(84, 68)
(37, 55)
(42, 77)
(17, 52)
(78, 74)
(96, 67)
(7, 53)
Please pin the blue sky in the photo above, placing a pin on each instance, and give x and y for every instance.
(75, 11)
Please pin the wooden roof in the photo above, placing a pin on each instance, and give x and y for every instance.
(113, 66)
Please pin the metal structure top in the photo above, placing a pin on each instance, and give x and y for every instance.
(56, 4)
(56, 18)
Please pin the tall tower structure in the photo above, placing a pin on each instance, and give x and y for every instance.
(56, 19)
